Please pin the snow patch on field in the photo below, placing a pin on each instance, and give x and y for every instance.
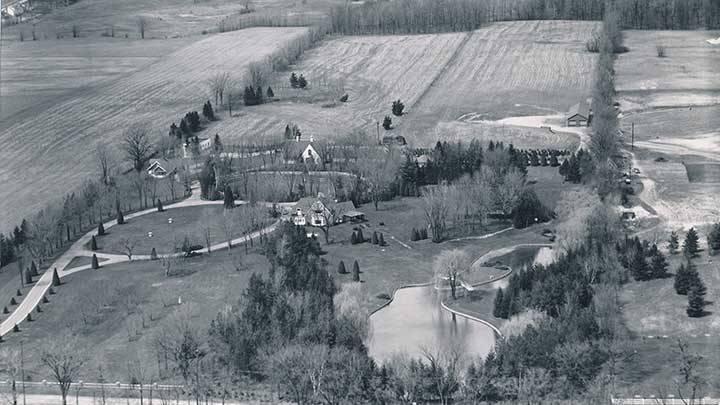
(706, 145)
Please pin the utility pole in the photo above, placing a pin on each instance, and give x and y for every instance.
(632, 137)
(377, 125)
(22, 370)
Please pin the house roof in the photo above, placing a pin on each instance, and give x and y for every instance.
(582, 109)
(167, 165)
(297, 148)
(353, 214)
(306, 204)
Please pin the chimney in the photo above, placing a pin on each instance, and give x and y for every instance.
(311, 138)
(297, 138)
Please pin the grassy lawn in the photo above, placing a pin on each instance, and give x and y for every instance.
(118, 309)
(387, 268)
(189, 222)
(549, 184)
(78, 261)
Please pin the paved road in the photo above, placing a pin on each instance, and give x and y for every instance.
(43, 284)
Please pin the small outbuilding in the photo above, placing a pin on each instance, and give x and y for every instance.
(579, 115)
(353, 216)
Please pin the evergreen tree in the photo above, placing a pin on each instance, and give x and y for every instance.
(217, 144)
(55, 278)
(387, 123)
(159, 205)
(302, 83)
(16, 328)
(184, 128)
(45, 299)
(341, 268)
(683, 278)
(374, 238)
(414, 235)
(120, 217)
(690, 245)
(270, 93)
(382, 240)
(93, 243)
(507, 304)
(639, 267)
(498, 309)
(714, 239)
(659, 265)
(13, 301)
(95, 264)
(356, 271)
(5, 310)
(696, 300)
(288, 132)
(360, 237)
(101, 229)
(259, 99)
(28, 277)
(293, 80)
(249, 97)
(33, 269)
(153, 254)
(229, 198)
(208, 112)
(353, 238)
(397, 108)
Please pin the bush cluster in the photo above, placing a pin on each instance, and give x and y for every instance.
(418, 234)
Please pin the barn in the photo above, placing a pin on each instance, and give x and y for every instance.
(579, 115)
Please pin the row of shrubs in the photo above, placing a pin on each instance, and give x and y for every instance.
(418, 234)
(357, 237)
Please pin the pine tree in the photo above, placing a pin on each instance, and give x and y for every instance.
(397, 108)
(696, 300)
(101, 229)
(93, 243)
(18, 293)
(33, 269)
(387, 123)
(45, 299)
(270, 93)
(29, 317)
(302, 83)
(414, 235)
(229, 198)
(690, 245)
(159, 205)
(374, 238)
(259, 99)
(341, 268)
(120, 217)
(507, 304)
(153, 254)
(288, 132)
(714, 239)
(356, 271)
(659, 265)
(639, 266)
(360, 237)
(5, 310)
(293, 80)
(353, 239)
(55, 278)
(28, 277)
(382, 240)
(95, 265)
(16, 328)
(498, 311)
(13, 301)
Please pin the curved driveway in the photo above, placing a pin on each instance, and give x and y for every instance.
(43, 284)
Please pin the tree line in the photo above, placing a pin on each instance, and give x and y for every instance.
(427, 16)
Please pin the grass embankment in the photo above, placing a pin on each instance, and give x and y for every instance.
(190, 222)
(117, 310)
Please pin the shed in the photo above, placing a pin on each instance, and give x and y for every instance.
(353, 216)
(579, 115)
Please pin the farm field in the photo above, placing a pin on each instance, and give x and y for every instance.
(687, 76)
(165, 18)
(61, 140)
(118, 310)
(508, 69)
(39, 74)
(439, 78)
(375, 70)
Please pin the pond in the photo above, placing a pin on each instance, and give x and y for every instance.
(414, 320)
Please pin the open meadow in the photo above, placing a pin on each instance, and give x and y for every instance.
(440, 78)
(39, 74)
(60, 141)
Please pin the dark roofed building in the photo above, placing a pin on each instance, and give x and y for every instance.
(579, 115)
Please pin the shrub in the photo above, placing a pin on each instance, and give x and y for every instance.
(344, 98)
(160, 207)
(29, 317)
(18, 293)
(293, 80)
(387, 123)
(360, 237)
(13, 301)
(414, 235)
(16, 328)
(101, 229)
(374, 238)
(341, 268)
(382, 240)
(397, 108)
(593, 44)
(423, 234)
(45, 299)
(270, 93)
(302, 83)
(353, 239)
(55, 278)
(356, 271)
(93, 243)
(153, 254)
(383, 296)
(120, 218)
(661, 51)
(5, 310)
(95, 265)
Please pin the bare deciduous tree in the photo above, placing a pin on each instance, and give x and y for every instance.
(105, 162)
(449, 265)
(509, 189)
(11, 370)
(218, 84)
(142, 24)
(129, 245)
(64, 360)
(445, 370)
(436, 208)
(137, 146)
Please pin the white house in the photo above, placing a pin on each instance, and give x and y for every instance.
(203, 144)
(317, 211)
(302, 152)
(161, 168)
